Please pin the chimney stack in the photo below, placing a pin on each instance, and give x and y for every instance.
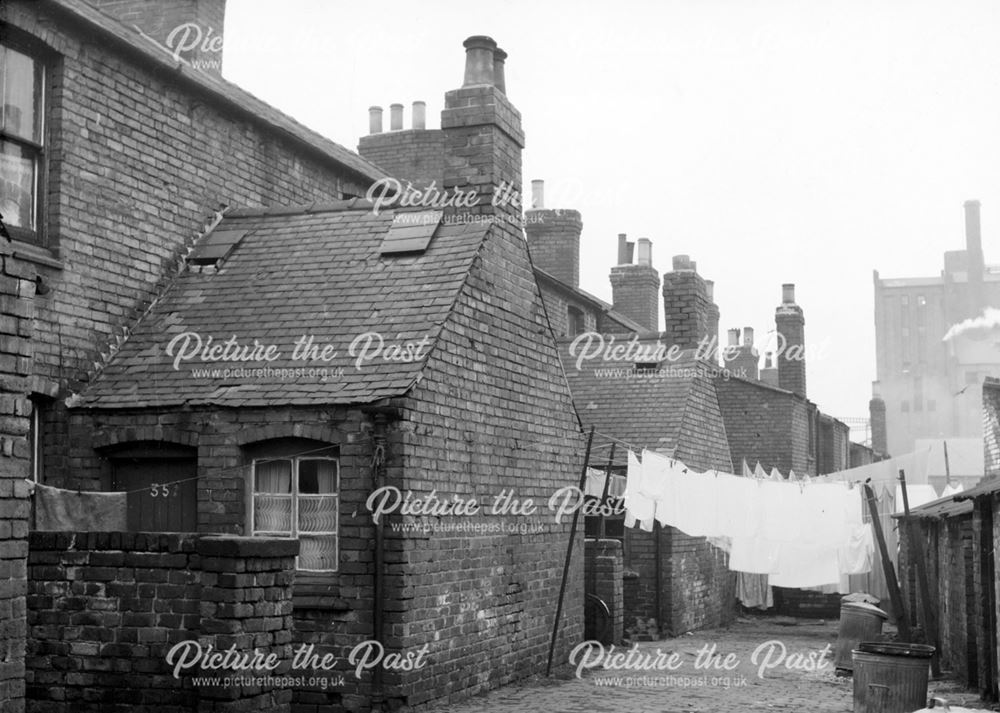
(743, 360)
(713, 318)
(419, 115)
(635, 288)
(374, 120)
(790, 323)
(876, 415)
(189, 29)
(976, 260)
(687, 306)
(483, 140)
(553, 237)
(769, 374)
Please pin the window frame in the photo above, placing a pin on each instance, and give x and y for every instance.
(295, 496)
(37, 236)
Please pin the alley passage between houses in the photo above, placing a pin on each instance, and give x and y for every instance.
(691, 690)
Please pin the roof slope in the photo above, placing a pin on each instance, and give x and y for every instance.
(220, 88)
(296, 275)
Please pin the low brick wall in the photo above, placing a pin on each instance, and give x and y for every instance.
(603, 572)
(104, 610)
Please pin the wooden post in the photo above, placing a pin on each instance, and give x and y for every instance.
(607, 485)
(895, 596)
(927, 619)
(569, 555)
(947, 466)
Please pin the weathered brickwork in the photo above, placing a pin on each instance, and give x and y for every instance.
(766, 425)
(138, 161)
(17, 287)
(104, 610)
(554, 242)
(790, 323)
(685, 305)
(414, 155)
(636, 290)
(991, 425)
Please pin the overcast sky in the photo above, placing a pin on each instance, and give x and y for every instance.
(774, 141)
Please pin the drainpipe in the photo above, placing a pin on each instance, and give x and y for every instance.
(378, 619)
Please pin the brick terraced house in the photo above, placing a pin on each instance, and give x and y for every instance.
(152, 204)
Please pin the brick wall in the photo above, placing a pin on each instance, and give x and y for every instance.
(554, 242)
(137, 161)
(16, 290)
(104, 609)
(603, 573)
(636, 294)
(991, 425)
(766, 425)
(557, 303)
(412, 155)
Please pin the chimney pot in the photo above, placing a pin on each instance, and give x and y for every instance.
(710, 289)
(748, 336)
(395, 117)
(538, 193)
(419, 115)
(734, 337)
(788, 293)
(499, 79)
(479, 58)
(683, 262)
(374, 120)
(645, 256)
(623, 258)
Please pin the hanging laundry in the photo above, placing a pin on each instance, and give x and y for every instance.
(857, 556)
(916, 495)
(595, 484)
(638, 507)
(753, 591)
(80, 511)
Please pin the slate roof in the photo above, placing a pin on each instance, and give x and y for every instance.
(659, 410)
(937, 509)
(297, 273)
(221, 89)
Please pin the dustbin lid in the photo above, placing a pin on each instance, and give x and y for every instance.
(863, 607)
(887, 648)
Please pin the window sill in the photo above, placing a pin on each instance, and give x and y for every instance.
(36, 254)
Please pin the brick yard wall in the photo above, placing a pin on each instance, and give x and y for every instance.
(105, 608)
(137, 161)
(16, 290)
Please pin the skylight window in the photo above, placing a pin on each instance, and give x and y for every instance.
(411, 232)
(216, 247)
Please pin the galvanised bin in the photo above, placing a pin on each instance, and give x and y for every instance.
(859, 622)
(890, 677)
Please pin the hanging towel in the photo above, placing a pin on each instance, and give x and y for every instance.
(754, 555)
(859, 553)
(70, 510)
(638, 507)
(805, 566)
(753, 591)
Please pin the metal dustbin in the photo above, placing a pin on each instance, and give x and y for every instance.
(859, 622)
(890, 677)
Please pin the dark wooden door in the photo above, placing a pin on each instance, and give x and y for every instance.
(157, 502)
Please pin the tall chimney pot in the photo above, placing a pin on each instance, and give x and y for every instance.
(734, 337)
(710, 289)
(537, 193)
(395, 117)
(623, 252)
(788, 293)
(499, 80)
(479, 60)
(645, 250)
(419, 115)
(374, 120)
(748, 336)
